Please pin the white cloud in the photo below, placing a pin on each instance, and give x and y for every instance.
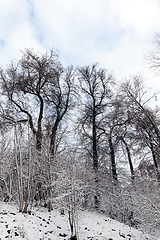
(140, 15)
(16, 31)
(115, 33)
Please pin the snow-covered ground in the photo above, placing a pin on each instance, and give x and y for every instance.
(54, 226)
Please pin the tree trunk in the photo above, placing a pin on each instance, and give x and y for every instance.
(53, 141)
(29, 177)
(38, 141)
(51, 161)
(113, 162)
(50, 208)
(18, 158)
(129, 159)
(154, 158)
(95, 161)
(39, 127)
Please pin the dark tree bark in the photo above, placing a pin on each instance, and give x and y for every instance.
(153, 151)
(113, 162)
(129, 158)
(95, 159)
(94, 134)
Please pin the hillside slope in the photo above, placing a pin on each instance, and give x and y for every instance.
(41, 224)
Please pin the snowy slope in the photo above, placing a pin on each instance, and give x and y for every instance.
(54, 226)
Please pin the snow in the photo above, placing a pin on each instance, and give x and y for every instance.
(40, 224)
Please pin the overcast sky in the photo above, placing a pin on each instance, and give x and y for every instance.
(115, 33)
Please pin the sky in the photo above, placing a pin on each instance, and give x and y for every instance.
(117, 34)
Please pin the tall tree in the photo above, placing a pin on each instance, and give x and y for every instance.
(94, 85)
(37, 89)
(23, 84)
(144, 120)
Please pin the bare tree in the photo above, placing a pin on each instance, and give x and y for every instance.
(59, 100)
(94, 85)
(145, 121)
(7, 168)
(37, 89)
(153, 58)
(23, 84)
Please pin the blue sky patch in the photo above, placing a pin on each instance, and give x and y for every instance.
(2, 43)
(31, 11)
